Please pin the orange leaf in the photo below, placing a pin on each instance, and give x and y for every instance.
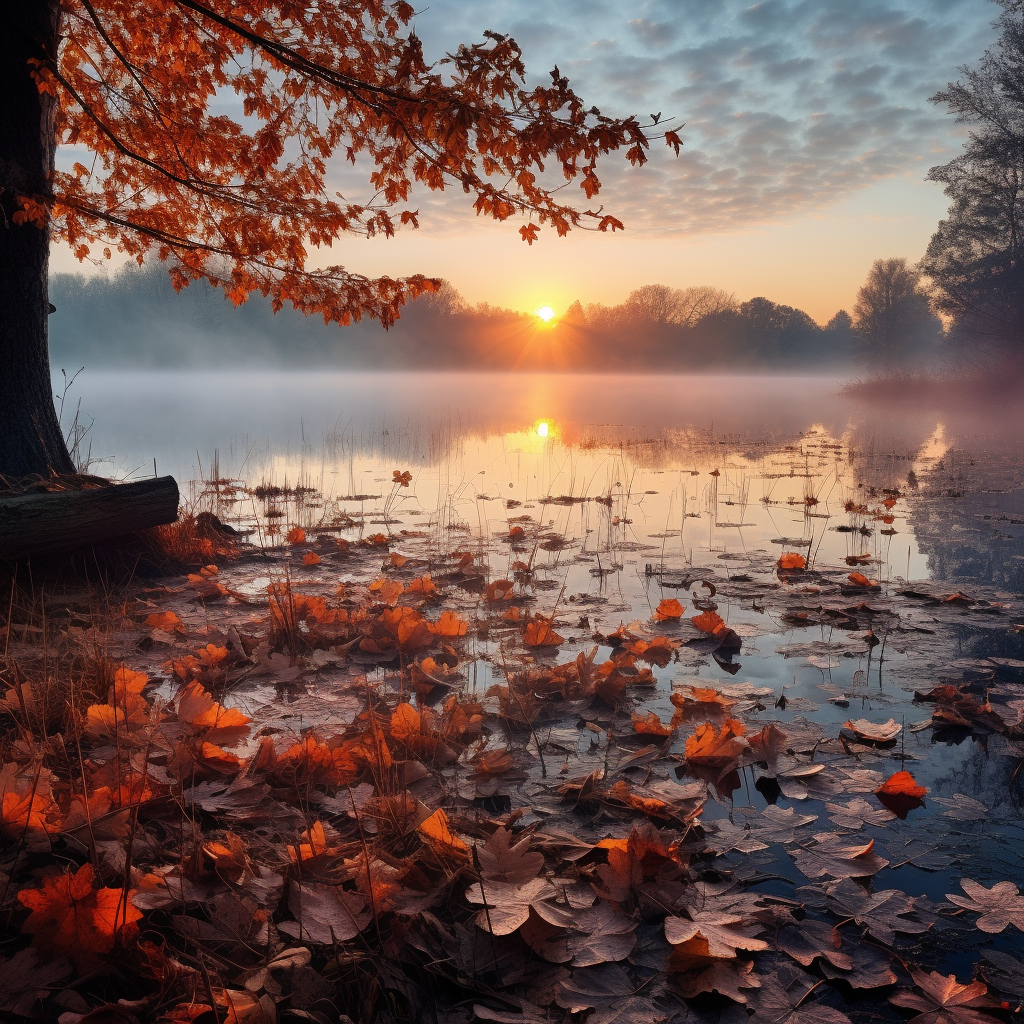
(449, 624)
(708, 622)
(901, 784)
(310, 558)
(423, 585)
(70, 918)
(716, 748)
(650, 725)
(791, 560)
(167, 621)
(540, 634)
(296, 535)
(858, 579)
(315, 844)
(669, 608)
(405, 722)
(436, 828)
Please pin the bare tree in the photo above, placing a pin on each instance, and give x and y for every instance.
(892, 316)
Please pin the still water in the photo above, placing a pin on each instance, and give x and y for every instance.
(628, 491)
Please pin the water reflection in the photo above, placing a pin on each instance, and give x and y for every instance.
(713, 467)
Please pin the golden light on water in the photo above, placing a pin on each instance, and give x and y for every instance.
(542, 429)
(545, 313)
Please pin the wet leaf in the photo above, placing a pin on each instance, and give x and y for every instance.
(713, 934)
(1000, 906)
(502, 860)
(668, 610)
(809, 940)
(716, 748)
(873, 732)
(857, 813)
(830, 856)
(941, 999)
(508, 905)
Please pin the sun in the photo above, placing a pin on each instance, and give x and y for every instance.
(542, 429)
(545, 313)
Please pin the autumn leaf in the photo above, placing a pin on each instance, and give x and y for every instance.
(27, 807)
(668, 609)
(791, 560)
(313, 843)
(712, 934)
(167, 621)
(716, 748)
(450, 625)
(708, 622)
(70, 918)
(901, 794)
(500, 590)
(296, 535)
(310, 558)
(201, 714)
(650, 725)
(872, 732)
(829, 856)
(1000, 906)
(858, 579)
(325, 914)
(503, 860)
(540, 634)
(941, 999)
(507, 905)
(436, 829)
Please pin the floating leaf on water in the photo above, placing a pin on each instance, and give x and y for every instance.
(999, 907)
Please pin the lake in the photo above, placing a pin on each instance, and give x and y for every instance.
(610, 495)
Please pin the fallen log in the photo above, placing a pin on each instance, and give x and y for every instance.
(58, 520)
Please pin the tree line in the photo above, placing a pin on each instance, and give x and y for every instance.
(136, 318)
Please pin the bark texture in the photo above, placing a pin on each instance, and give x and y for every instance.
(30, 436)
(54, 520)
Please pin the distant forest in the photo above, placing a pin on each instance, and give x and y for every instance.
(134, 318)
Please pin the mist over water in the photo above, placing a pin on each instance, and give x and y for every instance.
(790, 451)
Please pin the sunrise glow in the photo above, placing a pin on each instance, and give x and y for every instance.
(542, 429)
(545, 313)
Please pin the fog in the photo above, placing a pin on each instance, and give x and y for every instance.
(135, 319)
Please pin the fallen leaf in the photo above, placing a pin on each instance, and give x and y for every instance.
(716, 748)
(830, 857)
(791, 560)
(668, 609)
(70, 918)
(712, 934)
(942, 999)
(540, 634)
(325, 914)
(872, 732)
(999, 906)
(436, 828)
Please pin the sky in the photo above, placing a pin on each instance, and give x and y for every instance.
(807, 136)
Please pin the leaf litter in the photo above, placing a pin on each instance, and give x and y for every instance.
(558, 838)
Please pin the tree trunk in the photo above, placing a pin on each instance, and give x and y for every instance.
(30, 436)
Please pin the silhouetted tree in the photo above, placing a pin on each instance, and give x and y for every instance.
(976, 257)
(778, 333)
(894, 323)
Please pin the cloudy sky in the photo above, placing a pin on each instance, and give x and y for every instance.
(808, 133)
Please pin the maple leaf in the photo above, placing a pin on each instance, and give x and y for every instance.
(70, 918)
(708, 622)
(502, 860)
(901, 794)
(809, 940)
(712, 934)
(1000, 906)
(507, 905)
(435, 827)
(450, 625)
(883, 914)
(201, 714)
(650, 725)
(26, 804)
(943, 1000)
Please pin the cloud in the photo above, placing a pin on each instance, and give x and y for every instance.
(789, 105)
